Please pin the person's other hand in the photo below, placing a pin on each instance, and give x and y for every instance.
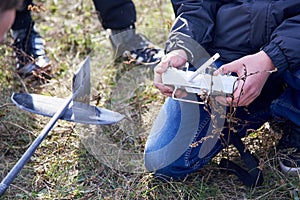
(256, 69)
(176, 58)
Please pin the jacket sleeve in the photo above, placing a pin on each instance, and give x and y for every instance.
(284, 45)
(193, 28)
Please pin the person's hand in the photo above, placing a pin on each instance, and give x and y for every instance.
(255, 69)
(176, 58)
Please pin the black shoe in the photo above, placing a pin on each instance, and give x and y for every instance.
(148, 53)
(134, 48)
(289, 148)
(30, 52)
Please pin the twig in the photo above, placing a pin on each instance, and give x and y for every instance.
(22, 82)
(6, 105)
(25, 191)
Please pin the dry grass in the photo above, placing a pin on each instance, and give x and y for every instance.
(84, 162)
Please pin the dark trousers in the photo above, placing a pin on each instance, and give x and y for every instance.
(23, 18)
(115, 14)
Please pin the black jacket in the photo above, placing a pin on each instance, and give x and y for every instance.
(238, 28)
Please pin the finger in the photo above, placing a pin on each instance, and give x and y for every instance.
(234, 66)
(237, 96)
(242, 98)
(157, 77)
(245, 99)
(169, 94)
(161, 67)
(163, 88)
(222, 100)
(180, 93)
(177, 58)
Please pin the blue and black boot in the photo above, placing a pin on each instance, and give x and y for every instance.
(30, 53)
(134, 47)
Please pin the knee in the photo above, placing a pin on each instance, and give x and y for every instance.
(164, 170)
(152, 163)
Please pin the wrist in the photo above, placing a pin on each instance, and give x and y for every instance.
(266, 61)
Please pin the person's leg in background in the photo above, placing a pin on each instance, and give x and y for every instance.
(120, 17)
(28, 44)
